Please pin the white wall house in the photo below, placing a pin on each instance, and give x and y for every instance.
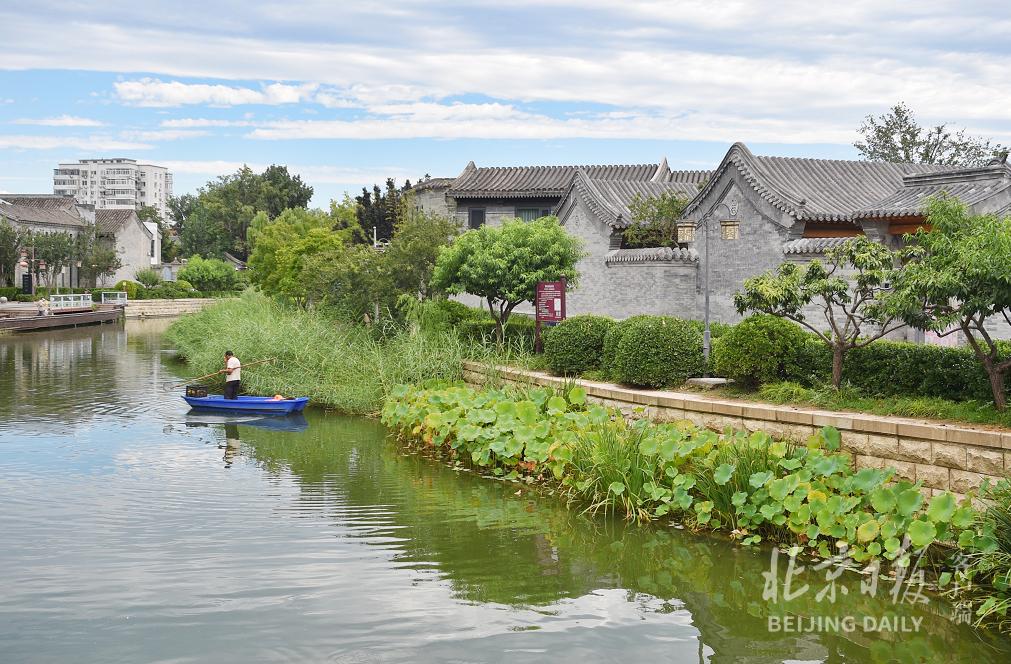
(137, 243)
(115, 184)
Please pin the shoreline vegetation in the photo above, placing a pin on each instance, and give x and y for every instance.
(806, 499)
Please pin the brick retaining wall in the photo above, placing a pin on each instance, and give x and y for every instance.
(942, 456)
(165, 308)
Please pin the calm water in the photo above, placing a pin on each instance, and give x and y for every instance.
(131, 531)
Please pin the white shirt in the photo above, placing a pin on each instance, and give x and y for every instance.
(234, 364)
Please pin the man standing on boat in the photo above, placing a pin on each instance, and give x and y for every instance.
(233, 371)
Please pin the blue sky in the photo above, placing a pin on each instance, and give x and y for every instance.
(348, 95)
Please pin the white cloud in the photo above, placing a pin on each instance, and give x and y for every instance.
(158, 93)
(163, 134)
(313, 174)
(190, 123)
(60, 121)
(98, 143)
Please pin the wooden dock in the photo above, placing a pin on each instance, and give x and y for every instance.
(20, 322)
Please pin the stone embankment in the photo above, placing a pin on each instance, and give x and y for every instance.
(166, 308)
(945, 457)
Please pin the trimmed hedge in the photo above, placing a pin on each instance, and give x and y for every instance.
(759, 349)
(575, 345)
(518, 329)
(658, 351)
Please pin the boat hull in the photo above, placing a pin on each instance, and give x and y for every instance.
(248, 404)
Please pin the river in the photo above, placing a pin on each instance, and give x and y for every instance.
(132, 531)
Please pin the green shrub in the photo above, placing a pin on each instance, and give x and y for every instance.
(576, 344)
(150, 278)
(612, 339)
(132, 288)
(759, 349)
(10, 293)
(184, 285)
(658, 351)
(211, 274)
(519, 329)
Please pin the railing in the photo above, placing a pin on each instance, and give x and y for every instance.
(71, 301)
(113, 297)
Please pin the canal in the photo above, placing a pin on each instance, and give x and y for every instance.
(132, 531)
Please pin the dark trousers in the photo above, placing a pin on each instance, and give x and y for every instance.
(232, 389)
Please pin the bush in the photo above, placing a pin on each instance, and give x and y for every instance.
(658, 351)
(184, 285)
(148, 277)
(759, 349)
(132, 288)
(519, 329)
(575, 345)
(210, 274)
(609, 350)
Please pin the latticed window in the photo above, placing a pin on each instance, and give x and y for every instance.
(730, 230)
(686, 232)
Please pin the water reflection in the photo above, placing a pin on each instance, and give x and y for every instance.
(125, 539)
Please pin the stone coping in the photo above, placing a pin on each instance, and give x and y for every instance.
(700, 403)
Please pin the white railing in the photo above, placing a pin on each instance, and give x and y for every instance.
(113, 297)
(71, 301)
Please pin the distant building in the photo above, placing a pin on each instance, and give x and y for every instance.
(115, 184)
(47, 213)
(137, 243)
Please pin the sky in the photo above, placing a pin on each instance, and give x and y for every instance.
(348, 94)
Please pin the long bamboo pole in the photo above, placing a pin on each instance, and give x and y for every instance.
(190, 380)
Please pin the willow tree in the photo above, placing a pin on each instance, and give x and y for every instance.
(957, 279)
(849, 292)
(502, 265)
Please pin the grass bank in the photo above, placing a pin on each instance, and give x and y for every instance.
(342, 366)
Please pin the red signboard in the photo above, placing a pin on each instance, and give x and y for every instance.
(550, 303)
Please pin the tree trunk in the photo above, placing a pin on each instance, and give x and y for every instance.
(499, 332)
(837, 360)
(996, 386)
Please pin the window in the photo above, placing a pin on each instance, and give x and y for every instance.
(529, 214)
(152, 249)
(686, 232)
(730, 230)
(475, 217)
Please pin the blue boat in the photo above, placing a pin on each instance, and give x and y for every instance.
(249, 404)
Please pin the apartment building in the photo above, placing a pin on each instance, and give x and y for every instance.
(115, 184)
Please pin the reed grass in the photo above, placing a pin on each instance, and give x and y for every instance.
(346, 367)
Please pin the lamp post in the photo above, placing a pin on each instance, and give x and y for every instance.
(31, 265)
(704, 224)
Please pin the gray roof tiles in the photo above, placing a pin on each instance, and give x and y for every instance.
(812, 245)
(537, 181)
(815, 189)
(109, 222)
(44, 209)
(652, 255)
(969, 185)
(610, 199)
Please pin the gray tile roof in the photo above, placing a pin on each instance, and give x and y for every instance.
(537, 181)
(109, 222)
(433, 183)
(814, 189)
(652, 255)
(44, 209)
(610, 199)
(970, 185)
(812, 245)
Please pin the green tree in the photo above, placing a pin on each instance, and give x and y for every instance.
(956, 278)
(896, 136)
(411, 255)
(12, 239)
(150, 278)
(502, 265)
(282, 245)
(355, 280)
(97, 256)
(654, 220)
(850, 290)
(210, 274)
(381, 209)
(218, 218)
(54, 250)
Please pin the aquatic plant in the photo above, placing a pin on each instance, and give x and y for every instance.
(807, 497)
